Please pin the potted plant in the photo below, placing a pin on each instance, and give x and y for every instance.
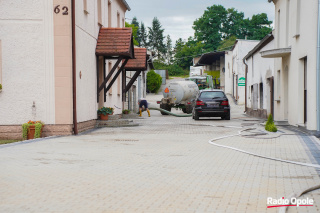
(125, 111)
(103, 112)
(32, 129)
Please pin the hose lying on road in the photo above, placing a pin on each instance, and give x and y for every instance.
(170, 113)
(296, 195)
(257, 155)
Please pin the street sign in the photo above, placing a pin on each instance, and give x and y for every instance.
(242, 82)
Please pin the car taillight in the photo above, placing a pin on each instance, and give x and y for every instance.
(199, 103)
(224, 103)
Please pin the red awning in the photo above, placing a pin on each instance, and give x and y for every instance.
(115, 42)
(139, 62)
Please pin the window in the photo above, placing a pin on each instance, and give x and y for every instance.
(109, 69)
(288, 23)
(85, 6)
(212, 95)
(298, 18)
(118, 19)
(109, 14)
(278, 85)
(99, 12)
(261, 95)
(0, 63)
(278, 29)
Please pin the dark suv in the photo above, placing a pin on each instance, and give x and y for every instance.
(211, 103)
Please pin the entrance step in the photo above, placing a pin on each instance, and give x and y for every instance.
(281, 123)
(116, 123)
(131, 116)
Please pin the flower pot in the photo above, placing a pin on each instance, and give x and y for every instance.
(32, 130)
(103, 117)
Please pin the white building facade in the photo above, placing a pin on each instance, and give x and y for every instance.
(43, 76)
(259, 80)
(295, 53)
(235, 69)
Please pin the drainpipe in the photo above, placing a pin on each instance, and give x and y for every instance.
(246, 72)
(318, 70)
(74, 79)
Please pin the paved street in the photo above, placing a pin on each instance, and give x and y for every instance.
(164, 165)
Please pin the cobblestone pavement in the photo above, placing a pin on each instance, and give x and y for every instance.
(164, 165)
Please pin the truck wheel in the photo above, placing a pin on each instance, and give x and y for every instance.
(188, 109)
(184, 110)
(163, 106)
(168, 108)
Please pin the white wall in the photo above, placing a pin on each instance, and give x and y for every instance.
(290, 105)
(259, 70)
(228, 72)
(222, 72)
(87, 30)
(234, 65)
(26, 34)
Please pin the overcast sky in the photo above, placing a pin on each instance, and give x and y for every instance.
(177, 16)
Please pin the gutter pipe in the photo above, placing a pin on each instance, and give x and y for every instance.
(318, 70)
(246, 73)
(74, 80)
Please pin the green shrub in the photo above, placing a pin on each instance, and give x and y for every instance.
(270, 126)
(154, 81)
(0, 86)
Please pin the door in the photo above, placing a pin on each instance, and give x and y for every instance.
(305, 90)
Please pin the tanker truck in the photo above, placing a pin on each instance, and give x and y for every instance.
(179, 95)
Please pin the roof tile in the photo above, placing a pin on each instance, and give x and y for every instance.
(140, 61)
(115, 42)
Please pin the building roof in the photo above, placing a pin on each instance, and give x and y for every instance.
(209, 58)
(139, 62)
(115, 42)
(266, 40)
(126, 4)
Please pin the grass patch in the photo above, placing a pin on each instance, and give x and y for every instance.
(8, 141)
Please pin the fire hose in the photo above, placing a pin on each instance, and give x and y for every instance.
(168, 112)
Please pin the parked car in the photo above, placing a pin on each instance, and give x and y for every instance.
(211, 103)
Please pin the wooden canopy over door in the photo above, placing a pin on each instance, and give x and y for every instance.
(139, 64)
(113, 44)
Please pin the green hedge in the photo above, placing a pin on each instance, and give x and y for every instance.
(270, 126)
(154, 81)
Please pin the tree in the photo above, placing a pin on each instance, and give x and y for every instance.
(217, 24)
(259, 26)
(209, 27)
(136, 23)
(143, 36)
(186, 51)
(234, 25)
(156, 38)
(134, 33)
(169, 51)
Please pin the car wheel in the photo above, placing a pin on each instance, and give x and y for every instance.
(227, 117)
(196, 116)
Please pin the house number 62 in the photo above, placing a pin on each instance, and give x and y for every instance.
(64, 9)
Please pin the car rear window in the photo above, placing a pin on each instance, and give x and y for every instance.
(212, 95)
